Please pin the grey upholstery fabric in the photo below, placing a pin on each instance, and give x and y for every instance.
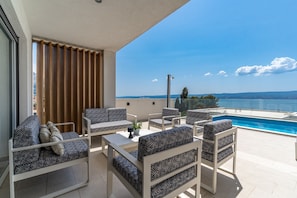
(154, 143)
(97, 115)
(157, 142)
(170, 112)
(116, 114)
(131, 174)
(26, 134)
(210, 129)
(107, 119)
(73, 150)
(197, 115)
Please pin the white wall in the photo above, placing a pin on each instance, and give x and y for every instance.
(109, 84)
(17, 17)
(143, 106)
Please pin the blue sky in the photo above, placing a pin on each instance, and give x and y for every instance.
(214, 47)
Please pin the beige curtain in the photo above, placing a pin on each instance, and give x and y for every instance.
(68, 80)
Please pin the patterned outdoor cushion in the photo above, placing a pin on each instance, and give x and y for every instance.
(170, 112)
(131, 174)
(73, 150)
(116, 114)
(209, 147)
(221, 155)
(116, 125)
(212, 128)
(157, 142)
(26, 134)
(197, 115)
(97, 115)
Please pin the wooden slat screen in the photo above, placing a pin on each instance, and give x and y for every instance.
(69, 80)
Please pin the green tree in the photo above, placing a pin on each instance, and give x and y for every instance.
(210, 101)
(184, 94)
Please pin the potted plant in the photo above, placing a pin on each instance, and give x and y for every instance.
(136, 127)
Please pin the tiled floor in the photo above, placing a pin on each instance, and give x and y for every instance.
(266, 167)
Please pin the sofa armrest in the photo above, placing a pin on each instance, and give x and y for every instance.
(170, 116)
(66, 123)
(112, 147)
(86, 125)
(177, 120)
(133, 116)
(154, 115)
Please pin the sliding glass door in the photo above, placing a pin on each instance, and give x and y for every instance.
(7, 92)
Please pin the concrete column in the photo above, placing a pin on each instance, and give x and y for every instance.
(109, 84)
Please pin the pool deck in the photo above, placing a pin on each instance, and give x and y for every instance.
(266, 168)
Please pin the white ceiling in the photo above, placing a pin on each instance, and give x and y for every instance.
(109, 25)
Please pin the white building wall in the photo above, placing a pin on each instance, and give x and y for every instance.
(17, 17)
(143, 106)
(109, 84)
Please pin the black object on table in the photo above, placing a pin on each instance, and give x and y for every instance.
(130, 130)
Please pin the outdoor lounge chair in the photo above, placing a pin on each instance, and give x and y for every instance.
(194, 119)
(219, 146)
(163, 120)
(166, 164)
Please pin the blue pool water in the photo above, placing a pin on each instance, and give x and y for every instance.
(276, 126)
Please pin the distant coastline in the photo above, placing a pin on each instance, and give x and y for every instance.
(245, 95)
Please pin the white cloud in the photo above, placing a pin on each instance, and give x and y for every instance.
(155, 80)
(222, 73)
(277, 66)
(208, 74)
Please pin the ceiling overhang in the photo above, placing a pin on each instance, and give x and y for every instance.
(109, 25)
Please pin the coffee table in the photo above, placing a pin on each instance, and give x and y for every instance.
(121, 139)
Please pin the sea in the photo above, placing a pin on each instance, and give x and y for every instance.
(279, 105)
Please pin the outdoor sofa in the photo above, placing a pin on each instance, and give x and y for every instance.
(102, 121)
(29, 157)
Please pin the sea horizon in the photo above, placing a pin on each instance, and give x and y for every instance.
(242, 95)
(265, 101)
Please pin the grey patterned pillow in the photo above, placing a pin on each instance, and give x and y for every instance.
(57, 137)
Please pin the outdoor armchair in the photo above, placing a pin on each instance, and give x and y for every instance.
(219, 146)
(166, 164)
(194, 119)
(163, 120)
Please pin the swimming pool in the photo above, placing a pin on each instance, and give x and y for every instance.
(268, 125)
